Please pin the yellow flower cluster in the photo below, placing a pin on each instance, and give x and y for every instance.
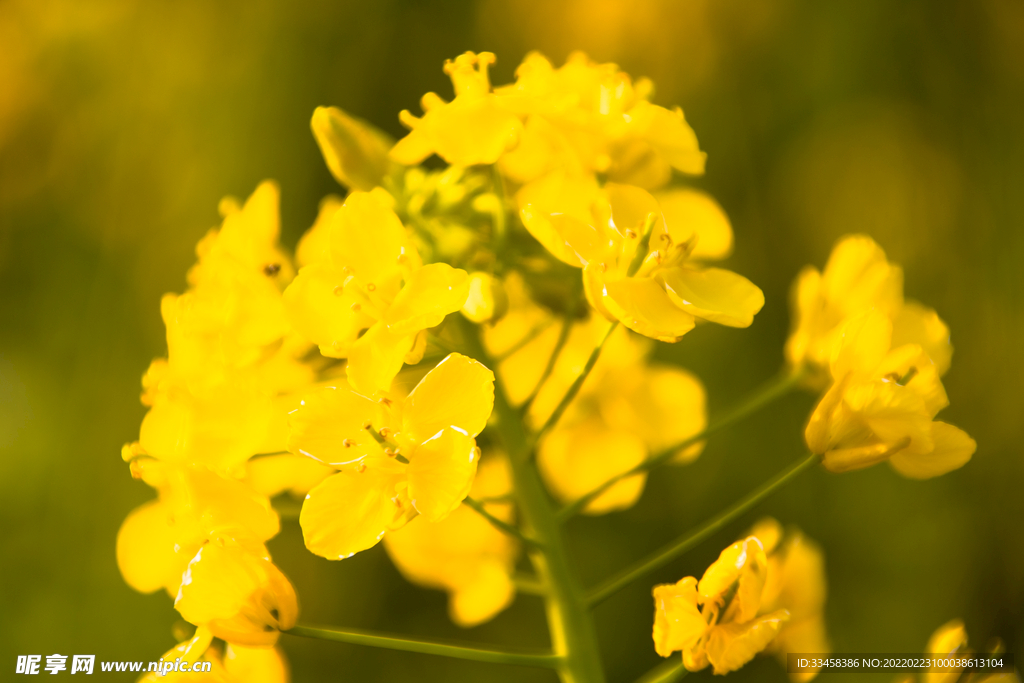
(766, 592)
(882, 358)
(553, 133)
(627, 408)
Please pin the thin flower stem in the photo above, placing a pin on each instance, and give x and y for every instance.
(774, 389)
(563, 337)
(666, 672)
(429, 647)
(530, 585)
(534, 332)
(576, 385)
(572, 629)
(499, 524)
(691, 539)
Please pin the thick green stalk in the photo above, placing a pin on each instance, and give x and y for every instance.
(677, 548)
(428, 647)
(572, 630)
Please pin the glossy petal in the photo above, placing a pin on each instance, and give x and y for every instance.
(328, 426)
(953, 448)
(349, 512)
(642, 305)
(558, 210)
(714, 294)
(458, 393)
(430, 293)
(678, 623)
(441, 472)
(323, 311)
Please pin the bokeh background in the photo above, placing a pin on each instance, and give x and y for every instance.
(123, 122)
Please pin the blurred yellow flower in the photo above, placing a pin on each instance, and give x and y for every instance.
(237, 664)
(373, 299)
(159, 538)
(881, 406)
(796, 583)
(857, 278)
(950, 641)
(232, 588)
(464, 554)
(398, 457)
(626, 410)
(355, 152)
(471, 129)
(718, 620)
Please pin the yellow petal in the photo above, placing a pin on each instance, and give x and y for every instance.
(458, 393)
(146, 552)
(441, 472)
(323, 311)
(368, 239)
(349, 512)
(714, 294)
(256, 664)
(413, 148)
(478, 601)
(574, 461)
(678, 623)
(862, 344)
(271, 475)
(742, 566)
(558, 210)
(730, 646)
(470, 131)
(431, 293)
(669, 134)
(642, 305)
(219, 582)
(953, 448)
(375, 359)
(328, 426)
(355, 152)
(917, 324)
(315, 244)
(691, 212)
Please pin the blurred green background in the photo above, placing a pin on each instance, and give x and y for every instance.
(123, 122)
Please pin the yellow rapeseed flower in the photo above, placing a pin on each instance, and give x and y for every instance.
(637, 267)
(949, 641)
(796, 583)
(464, 554)
(237, 663)
(882, 406)
(159, 538)
(372, 299)
(719, 619)
(857, 278)
(232, 588)
(471, 129)
(398, 457)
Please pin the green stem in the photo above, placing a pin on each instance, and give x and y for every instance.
(774, 389)
(500, 524)
(563, 337)
(667, 672)
(677, 548)
(428, 647)
(576, 385)
(572, 630)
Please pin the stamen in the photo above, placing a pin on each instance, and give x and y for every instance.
(271, 269)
